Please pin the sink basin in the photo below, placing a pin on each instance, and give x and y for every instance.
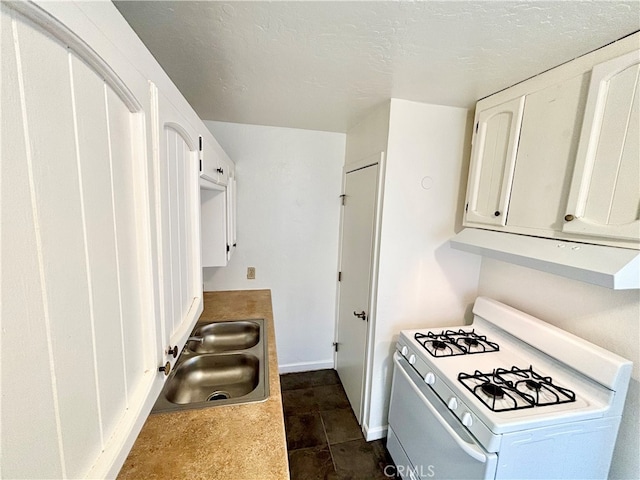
(225, 336)
(230, 366)
(206, 378)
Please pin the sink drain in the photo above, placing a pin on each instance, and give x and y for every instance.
(220, 395)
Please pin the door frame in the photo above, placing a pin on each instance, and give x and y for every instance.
(379, 159)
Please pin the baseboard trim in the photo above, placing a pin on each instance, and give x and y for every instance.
(305, 367)
(371, 434)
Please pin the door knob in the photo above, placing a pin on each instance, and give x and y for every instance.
(361, 315)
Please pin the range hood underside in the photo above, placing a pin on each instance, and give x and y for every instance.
(611, 267)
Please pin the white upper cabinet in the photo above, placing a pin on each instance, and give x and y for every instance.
(492, 162)
(558, 155)
(604, 198)
(178, 228)
(78, 346)
(214, 164)
(218, 220)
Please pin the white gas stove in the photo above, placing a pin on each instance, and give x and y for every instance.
(515, 396)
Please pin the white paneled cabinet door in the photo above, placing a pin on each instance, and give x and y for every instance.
(604, 199)
(177, 206)
(231, 215)
(495, 144)
(77, 293)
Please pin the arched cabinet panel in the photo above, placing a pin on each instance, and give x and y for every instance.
(495, 146)
(177, 205)
(77, 289)
(604, 199)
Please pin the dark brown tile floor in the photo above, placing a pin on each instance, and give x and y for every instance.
(324, 439)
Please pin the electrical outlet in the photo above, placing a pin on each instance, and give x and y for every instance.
(251, 273)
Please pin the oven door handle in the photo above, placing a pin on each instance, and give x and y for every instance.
(472, 450)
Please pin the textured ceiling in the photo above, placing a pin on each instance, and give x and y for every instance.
(323, 65)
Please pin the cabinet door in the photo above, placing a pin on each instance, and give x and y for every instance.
(213, 207)
(546, 155)
(177, 207)
(223, 170)
(492, 162)
(231, 215)
(604, 199)
(213, 165)
(77, 295)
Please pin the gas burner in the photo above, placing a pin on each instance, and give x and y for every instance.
(503, 390)
(533, 385)
(449, 343)
(438, 345)
(541, 389)
(472, 342)
(492, 390)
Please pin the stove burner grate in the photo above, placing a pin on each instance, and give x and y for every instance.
(449, 343)
(516, 388)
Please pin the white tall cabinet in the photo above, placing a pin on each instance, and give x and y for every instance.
(100, 241)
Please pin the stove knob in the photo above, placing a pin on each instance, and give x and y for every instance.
(412, 359)
(467, 419)
(452, 403)
(404, 351)
(430, 378)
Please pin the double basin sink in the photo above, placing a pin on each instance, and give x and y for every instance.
(223, 363)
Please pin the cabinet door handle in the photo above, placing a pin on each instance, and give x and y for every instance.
(220, 171)
(496, 213)
(568, 217)
(361, 315)
(173, 351)
(166, 368)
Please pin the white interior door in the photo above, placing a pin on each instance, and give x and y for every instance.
(356, 266)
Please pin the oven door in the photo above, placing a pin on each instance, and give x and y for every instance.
(434, 441)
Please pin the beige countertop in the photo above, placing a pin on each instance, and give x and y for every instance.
(240, 442)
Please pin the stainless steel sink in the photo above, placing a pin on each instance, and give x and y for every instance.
(224, 337)
(239, 374)
(205, 378)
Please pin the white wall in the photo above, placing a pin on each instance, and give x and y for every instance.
(608, 318)
(289, 183)
(422, 281)
(369, 136)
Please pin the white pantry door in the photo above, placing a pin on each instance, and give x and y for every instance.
(358, 224)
